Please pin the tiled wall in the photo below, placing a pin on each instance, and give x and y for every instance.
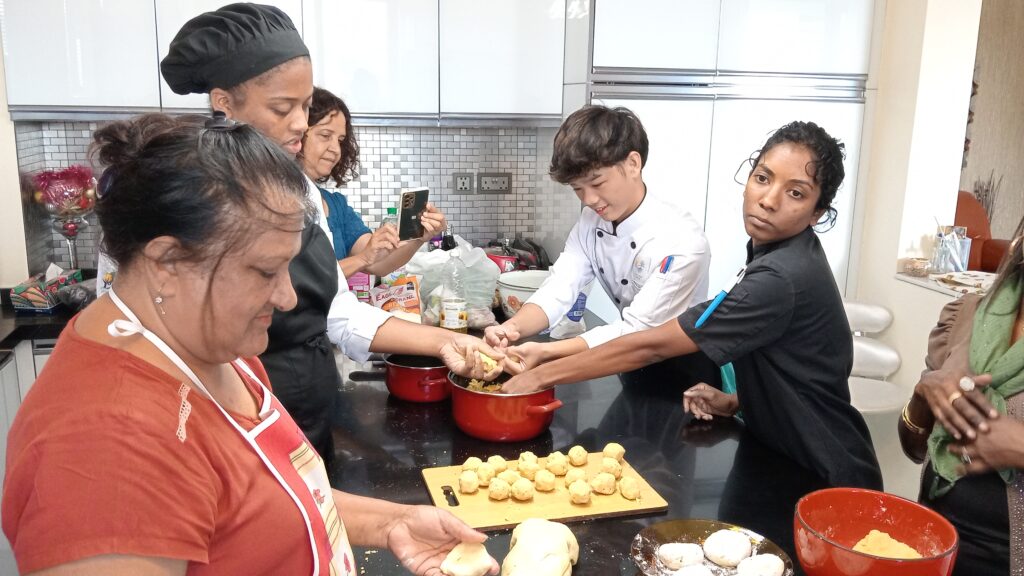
(392, 158)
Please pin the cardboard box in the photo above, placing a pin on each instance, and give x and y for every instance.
(38, 294)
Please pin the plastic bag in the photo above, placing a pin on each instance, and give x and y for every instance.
(401, 298)
(479, 283)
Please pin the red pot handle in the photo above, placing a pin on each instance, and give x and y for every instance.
(544, 408)
(431, 381)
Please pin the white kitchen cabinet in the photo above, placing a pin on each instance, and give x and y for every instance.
(171, 15)
(380, 56)
(656, 34)
(741, 127)
(501, 56)
(83, 53)
(795, 36)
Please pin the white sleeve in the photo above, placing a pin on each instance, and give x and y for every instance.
(663, 297)
(569, 274)
(352, 324)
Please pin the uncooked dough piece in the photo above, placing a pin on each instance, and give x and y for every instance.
(498, 463)
(467, 559)
(544, 481)
(695, 570)
(472, 463)
(484, 473)
(510, 476)
(522, 490)
(603, 483)
(541, 548)
(468, 482)
(578, 456)
(630, 489)
(579, 492)
(675, 555)
(611, 466)
(614, 450)
(557, 463)
(761, 565)
(528, 469)
(498, 490)
(575, 474)
(527, 457)
(727, 547)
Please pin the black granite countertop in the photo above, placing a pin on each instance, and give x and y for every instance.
(17, 326)
(704, 470)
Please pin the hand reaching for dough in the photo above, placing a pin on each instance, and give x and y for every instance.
(422, 537)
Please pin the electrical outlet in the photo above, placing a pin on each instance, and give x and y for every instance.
(495, 182)
(462, 182)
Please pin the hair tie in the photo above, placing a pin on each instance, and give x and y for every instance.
(220, 122)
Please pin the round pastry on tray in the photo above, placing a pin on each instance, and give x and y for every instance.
(646, 545)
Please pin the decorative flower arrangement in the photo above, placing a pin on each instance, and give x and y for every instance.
(68, 195)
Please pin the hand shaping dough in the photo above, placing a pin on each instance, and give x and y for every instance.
(630, 489)
(557, 463)
(541, 548)
(575, 474)
(727, 547)
(579, 492)
(468, 482)
(498, 463)
(675, 555)
(498, 490)
(510, 476)
(603, 483)
(484, 473)
(578, 456)
(528, 469)
(614, 450)
(522, 490)
(544, 481)
(472, 463)
(761, 565)
(611, 466)
(467, 559)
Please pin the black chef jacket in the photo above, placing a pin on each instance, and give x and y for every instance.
(785, 330)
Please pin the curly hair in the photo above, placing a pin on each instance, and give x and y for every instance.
(324, 104)
(826, 168)
(596, 137)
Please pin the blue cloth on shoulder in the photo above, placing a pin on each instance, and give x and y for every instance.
(346, 225)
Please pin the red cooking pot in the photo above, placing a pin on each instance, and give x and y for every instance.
(501, 417)
(417, 378)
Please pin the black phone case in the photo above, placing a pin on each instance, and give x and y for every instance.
(412, 204)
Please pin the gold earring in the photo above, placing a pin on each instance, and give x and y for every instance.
(159, 301)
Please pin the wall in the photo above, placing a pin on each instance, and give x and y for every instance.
(13, 261)
(998, 128)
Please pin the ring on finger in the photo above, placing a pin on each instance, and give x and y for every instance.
(967, 384)
(954, 397)
(965, 457)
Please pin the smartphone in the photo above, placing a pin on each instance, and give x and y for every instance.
(411, 204)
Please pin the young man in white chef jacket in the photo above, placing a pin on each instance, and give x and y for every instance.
(651, 257)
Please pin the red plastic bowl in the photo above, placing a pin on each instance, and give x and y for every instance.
(502, 417)
(828, 523)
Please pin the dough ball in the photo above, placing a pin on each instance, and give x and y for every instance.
(557, 463)
(761, 565)
(614, 450)
(611, 466)
(579, 492)
(675, 555)
(498, 463)
(727, 547)
(541, 548)
(498, 490)
(544, 481)
(472, 463)
(468, 482)
(528, 469)
(630, 489)
(527, 457)
(578, 456)
(694, 570)
(509, 476)
(603, 483)
(574, 475)
(467, 559)
(485, 473)
(522, 490)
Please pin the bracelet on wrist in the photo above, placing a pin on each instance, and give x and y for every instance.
(905, 417)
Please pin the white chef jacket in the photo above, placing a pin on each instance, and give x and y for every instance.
(351, 324)
(654, 266)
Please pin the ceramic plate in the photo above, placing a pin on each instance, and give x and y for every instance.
(645, 545)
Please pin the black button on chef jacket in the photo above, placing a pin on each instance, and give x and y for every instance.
(785, 331)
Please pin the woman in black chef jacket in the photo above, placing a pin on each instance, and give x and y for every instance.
(252, 62)
(782, 326)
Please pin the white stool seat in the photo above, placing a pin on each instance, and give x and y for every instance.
(870, 396)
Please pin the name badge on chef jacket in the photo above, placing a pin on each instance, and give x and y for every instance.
(641, 271)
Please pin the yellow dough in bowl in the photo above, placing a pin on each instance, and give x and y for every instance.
(878, 543)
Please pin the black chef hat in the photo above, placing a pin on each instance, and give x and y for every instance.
(223, 48)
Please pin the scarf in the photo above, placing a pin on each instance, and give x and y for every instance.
(990, 353)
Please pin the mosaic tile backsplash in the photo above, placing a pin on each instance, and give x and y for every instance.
(391, 158)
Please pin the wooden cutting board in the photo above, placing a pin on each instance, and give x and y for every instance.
(482, 513)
